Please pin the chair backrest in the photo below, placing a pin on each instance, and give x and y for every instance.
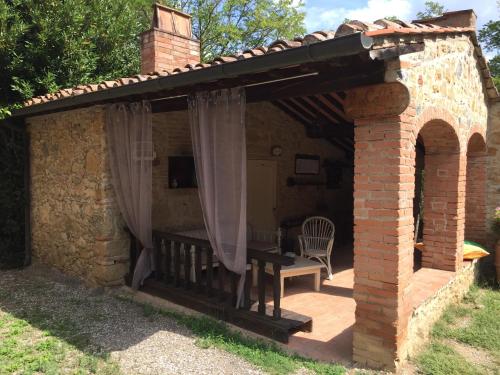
(318, 226)
(264, 235)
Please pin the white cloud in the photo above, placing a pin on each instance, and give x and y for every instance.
(376, 9)
(320, 18)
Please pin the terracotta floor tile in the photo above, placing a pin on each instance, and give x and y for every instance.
(332, 311)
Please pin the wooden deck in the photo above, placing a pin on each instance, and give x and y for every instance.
(183, 277)
(317, 325)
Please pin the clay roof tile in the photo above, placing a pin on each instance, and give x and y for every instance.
(380, 28)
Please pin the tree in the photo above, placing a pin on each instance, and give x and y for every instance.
(51, 44)
(489, 36)
(46, 45)
(432, 9)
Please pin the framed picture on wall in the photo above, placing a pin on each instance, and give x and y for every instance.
(307, 164)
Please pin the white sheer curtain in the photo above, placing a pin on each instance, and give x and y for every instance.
(129, 136)
(217, 121)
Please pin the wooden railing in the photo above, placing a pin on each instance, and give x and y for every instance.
(189, 274)
(180, 259)
(189, 263)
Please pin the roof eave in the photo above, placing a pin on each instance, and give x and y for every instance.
(321, 51)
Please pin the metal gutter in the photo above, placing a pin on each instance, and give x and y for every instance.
(332, 48)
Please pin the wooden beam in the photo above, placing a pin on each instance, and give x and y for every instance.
(297, 108)
(291, 113)
(313, 111)
(334, 80)
(337, 118)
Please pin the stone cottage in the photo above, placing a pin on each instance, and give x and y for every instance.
(384, 100)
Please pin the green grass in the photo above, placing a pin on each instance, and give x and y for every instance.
(26, 350)
(263, 354)
(482, 307)
(474, 323)
(440, 359)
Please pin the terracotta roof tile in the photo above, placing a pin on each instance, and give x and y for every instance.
(379, 28)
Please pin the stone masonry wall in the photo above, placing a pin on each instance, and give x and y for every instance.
(179, 209)
(446, 76)
(76, 225)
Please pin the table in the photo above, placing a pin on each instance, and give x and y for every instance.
(301, 267)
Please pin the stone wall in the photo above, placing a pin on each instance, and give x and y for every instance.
(76, 222)
(76, 225)
(267, 126)
(446, 76)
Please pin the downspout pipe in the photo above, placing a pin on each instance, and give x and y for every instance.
(348, 45)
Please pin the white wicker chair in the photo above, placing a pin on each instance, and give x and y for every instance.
(270, 236)
(316, 240)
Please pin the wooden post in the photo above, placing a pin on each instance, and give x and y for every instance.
(222, 277)
(276, 290)
(262, 287)
(197, 269)
(158, 256)
(177, 264)
(248, 290)
(187, 266)
(168, 261)
(210, 270)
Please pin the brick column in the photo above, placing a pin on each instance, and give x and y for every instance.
(384, 183)
(475, 204)
(444, 197)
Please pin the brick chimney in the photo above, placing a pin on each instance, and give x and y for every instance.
(459, 18)
(169, 44)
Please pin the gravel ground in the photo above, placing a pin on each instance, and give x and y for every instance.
(99, 322)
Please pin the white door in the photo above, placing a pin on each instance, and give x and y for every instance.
(261, 194)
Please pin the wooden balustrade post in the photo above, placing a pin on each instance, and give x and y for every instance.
(168, 261)
(177, 264)
(210, 270)
(234, 288)
(247, 290)
(221, 276)
(276, 290)
(187, 266)
(197, 269)
(262, 286)
(157, 251)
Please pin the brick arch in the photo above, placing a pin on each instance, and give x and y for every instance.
(476, 140)
(475, 192)
(444, 188)
(438, 115)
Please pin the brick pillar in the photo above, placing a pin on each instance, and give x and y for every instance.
(169, 44)
(475, 204)
(444, 197)
(384, 183)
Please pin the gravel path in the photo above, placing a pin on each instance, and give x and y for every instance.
(139, 344)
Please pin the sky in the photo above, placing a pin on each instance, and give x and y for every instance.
(328, 14)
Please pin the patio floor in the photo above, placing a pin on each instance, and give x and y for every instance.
(332, 311)
(333, 308)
